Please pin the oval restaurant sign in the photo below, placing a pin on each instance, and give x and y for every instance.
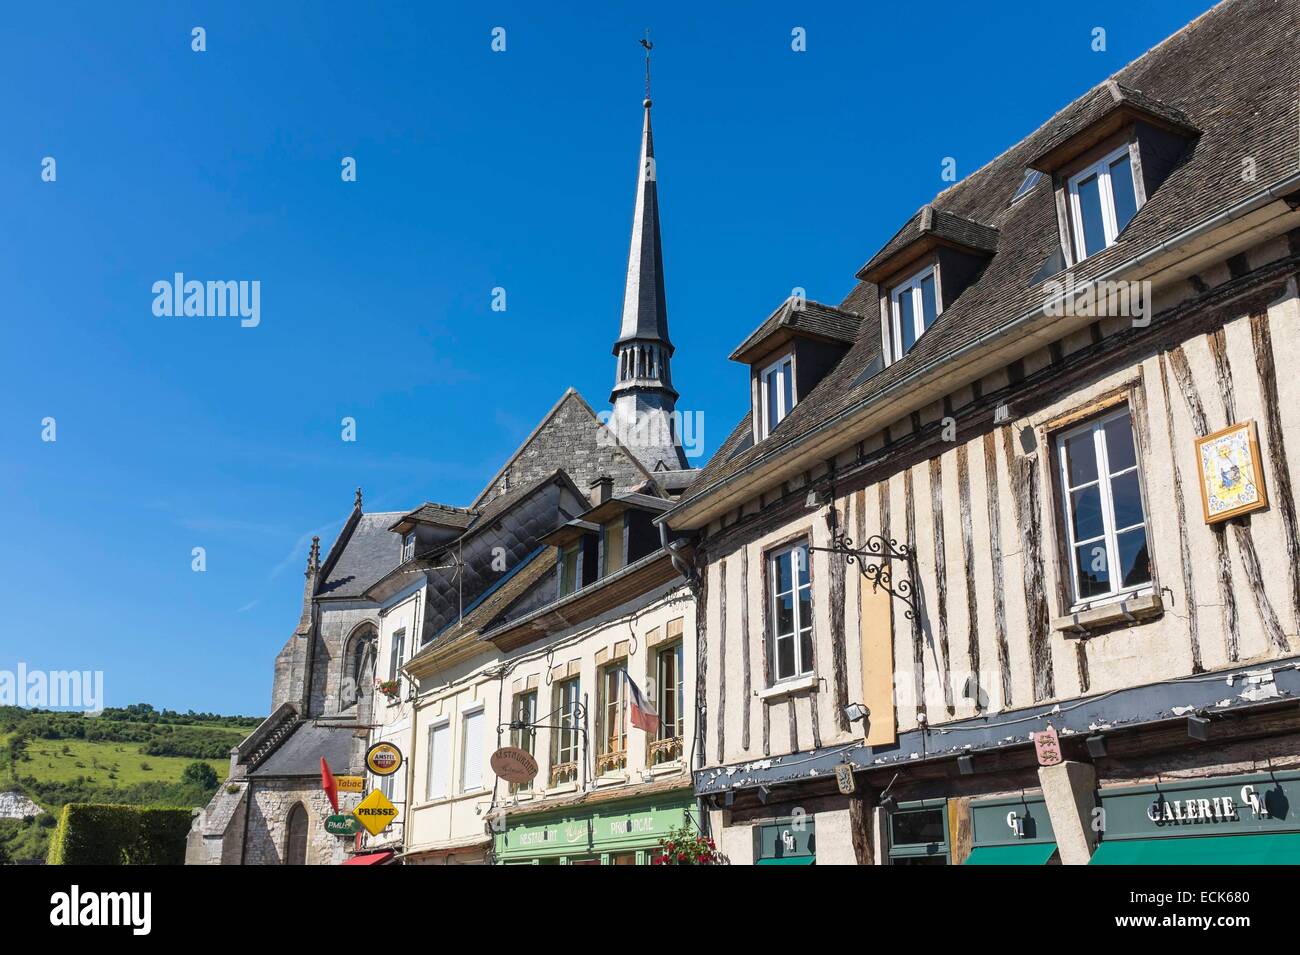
(383, 759)
(513, 764)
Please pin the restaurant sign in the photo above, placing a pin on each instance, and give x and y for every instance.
(613, 827)
(1234, 804)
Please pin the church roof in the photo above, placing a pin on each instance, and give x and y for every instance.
(369, 551)
(645, 312)
(299, 753)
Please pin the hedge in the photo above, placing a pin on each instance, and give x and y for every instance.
(91, 834)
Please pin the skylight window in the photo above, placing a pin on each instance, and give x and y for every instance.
(1031, 179)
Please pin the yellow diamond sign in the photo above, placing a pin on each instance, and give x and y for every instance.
(375, 812)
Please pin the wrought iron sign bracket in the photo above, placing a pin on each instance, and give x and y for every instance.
(874, 560)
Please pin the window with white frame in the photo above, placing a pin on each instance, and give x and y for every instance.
(408, 546)
(669, 692)
(439, 774)
(790, 620)
(471, 754)
(775, 394)
(1101, 501)
(396, 654)
(523, 712)
(1102, 201)
(564, 741)
(612, 706)
(914, 305)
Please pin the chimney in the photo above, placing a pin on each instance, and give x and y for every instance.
(601, 490)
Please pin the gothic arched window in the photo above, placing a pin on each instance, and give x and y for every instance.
(295, 839)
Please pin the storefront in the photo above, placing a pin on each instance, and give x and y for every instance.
(618, 832)
(1234, 820)
(1011, 830)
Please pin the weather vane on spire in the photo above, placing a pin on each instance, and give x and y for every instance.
(645, 42)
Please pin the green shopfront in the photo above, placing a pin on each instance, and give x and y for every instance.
(1011, 830)
(1233, 820)
(617, 832)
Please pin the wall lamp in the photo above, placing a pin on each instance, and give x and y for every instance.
(1198, 727)
(855, 712)
(1096, 746)
(966, 765)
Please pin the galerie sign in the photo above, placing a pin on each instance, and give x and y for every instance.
(1174, 812)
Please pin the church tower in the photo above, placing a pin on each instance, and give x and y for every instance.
(643, 396)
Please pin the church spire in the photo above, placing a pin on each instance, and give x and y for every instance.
(643, 394)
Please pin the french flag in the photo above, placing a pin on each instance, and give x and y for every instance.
(644, 714)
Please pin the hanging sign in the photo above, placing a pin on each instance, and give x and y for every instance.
(350, 784)
(376, 812)
(1048, 747)
(513, 764)
(348, 825)
(383, 759)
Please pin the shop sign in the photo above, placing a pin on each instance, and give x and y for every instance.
(348, 825)
(794, 838)
(1047, 746)
(513, 764)
(607, 829)
(383, 759)
(1011, 820)
(1256, 803)
(376, 812)
(349, 784)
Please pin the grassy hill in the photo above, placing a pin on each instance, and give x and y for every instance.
(135, 755)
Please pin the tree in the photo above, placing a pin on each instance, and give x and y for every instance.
(200, 774)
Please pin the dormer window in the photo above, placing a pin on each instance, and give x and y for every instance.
(775, 394)
(408, 546)
(1102, 202)
(915, 306)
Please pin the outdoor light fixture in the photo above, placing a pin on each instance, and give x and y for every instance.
(855, 712)
(728, 798)
(1096, 746)
(966, 765)
(1198, 727)
(763, 794)
(814, 499)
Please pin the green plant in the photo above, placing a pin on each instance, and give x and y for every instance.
(119, 835)
(686, 846)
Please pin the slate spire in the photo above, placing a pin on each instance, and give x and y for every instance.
(643, 396)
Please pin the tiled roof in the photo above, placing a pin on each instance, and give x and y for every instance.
(1233, 73)
(941, 226)
(442, 514)
(811, 318)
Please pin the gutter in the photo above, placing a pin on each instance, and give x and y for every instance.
(910, 381)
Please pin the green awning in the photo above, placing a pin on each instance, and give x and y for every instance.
(791, 860)
(1274, 848)
(1035, 853)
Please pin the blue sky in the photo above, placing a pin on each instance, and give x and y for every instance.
(475, 169)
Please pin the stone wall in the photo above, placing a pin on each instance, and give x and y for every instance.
(272, 801)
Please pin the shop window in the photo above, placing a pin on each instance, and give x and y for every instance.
(1102, 510)
(564, 741)
(790, 613)
(669, 699)
(918, 833)
(612, 707)
(523, 711)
